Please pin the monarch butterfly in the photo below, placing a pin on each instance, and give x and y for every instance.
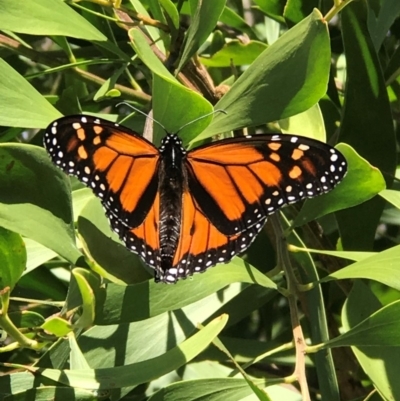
(185, 211)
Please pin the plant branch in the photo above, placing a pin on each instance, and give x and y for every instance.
(299, 341)
(10, 328)
(42, 58)
(337, 7)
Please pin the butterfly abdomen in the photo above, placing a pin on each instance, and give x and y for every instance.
(171, 185)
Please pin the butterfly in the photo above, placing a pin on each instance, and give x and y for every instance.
(185, 211)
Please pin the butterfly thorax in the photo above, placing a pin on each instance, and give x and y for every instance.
(171, 184)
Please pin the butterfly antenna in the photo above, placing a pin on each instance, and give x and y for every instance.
(142, 112)
(200, 118)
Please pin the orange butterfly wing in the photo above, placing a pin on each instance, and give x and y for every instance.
(229, 187)
(118, 165)
(238, 182)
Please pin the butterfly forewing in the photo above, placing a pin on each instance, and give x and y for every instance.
(119, 165)
(237, 182)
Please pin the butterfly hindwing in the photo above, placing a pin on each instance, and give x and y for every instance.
(238, 182)
(117, 164)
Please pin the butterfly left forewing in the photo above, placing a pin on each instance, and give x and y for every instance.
(116, 163)
(238, 182)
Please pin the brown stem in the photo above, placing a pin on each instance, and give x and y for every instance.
(298, 336)
(42, 58)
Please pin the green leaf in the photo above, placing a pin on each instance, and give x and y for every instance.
(382, 267)
(87, 316)
(355, 256)
(102, 246)
(379, 26)
(233, 19)
(165, 88)
(107, 89)
(57, 326)
(379, 363)
(12, 258)
(145, 371)
(76, 358)
(26, 318)
(370, 133)
(22, 105)
(361, 183)
(391, 196)
(37, 254)
(117, 305)
(296, 10)
(153, 32)
(272, 8)
(46, 17)
(381, 329)
(212, 389)
(172, 12)
(203, 22)
(309, 123)
(35, 199)
(235, 53)
(53, 393)
(269, 89)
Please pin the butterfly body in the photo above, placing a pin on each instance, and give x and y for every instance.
(172, 181)
(185, 211)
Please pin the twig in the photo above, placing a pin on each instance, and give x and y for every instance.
(299, 341)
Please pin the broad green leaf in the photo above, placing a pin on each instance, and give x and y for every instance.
(269, 89)
(370, 134)
(153, 32)
(381, 329)
(26, 318)
(361, 183)
(260, 394)
(144, 371)
(35, 199)
(12, 258)
(206, 389)
(117, 305)
(391, 196)
(355, 256)
(37, 254)
(22, 105)
(171, 10)
(382, 267)
(165, 88)
(297, 10)
(46, 17)
(233, 19)
(272, 8)
(57, 326)
(110, 257)
(203, 22)
(15, 383)
(54, 394)
(130, 342)
(379, 25)
(108, 86)
(309, 123)
(76, 358)
(379, 363)
(87, 317)
(235, 53)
